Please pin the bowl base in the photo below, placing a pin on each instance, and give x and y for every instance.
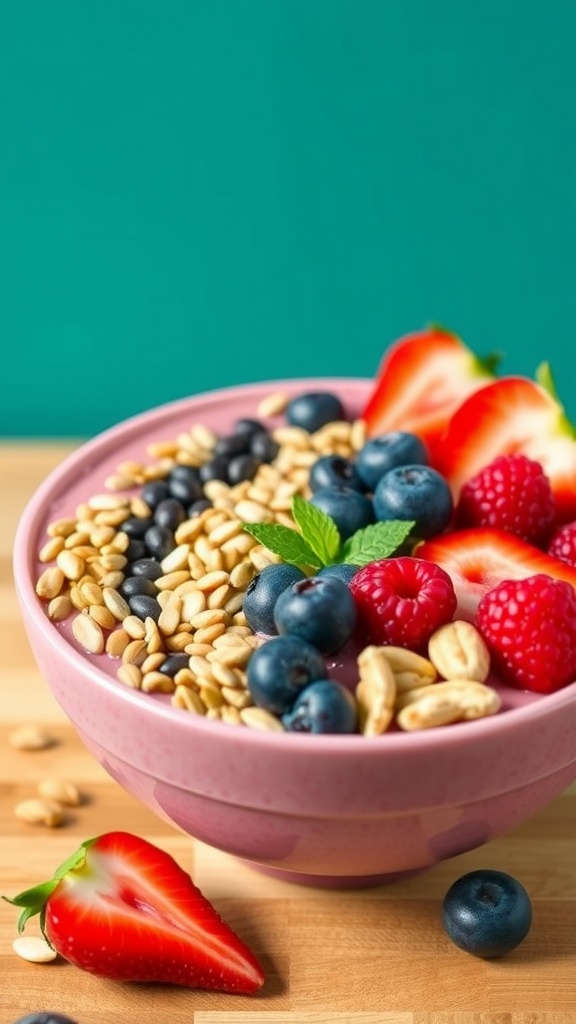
(332, 881)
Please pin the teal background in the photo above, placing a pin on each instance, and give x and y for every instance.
(195, 193)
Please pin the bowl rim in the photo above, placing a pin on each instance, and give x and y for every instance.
(34, 513)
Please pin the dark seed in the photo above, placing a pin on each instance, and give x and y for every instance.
(242, 467)
(235, 444)
(170, 513)
(137, 585)
(147, 567)
(136, 549)
(264, 447)
(159, 541)
(173, 664)
(248, 427)
(144, 606)
(215, 469)
(199, 506)
(154, 492)
(134, 526)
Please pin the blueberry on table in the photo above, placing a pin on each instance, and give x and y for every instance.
(380, 454)
(314, 410)
(319, 610)
(487, 913)
(349, 509)
(279, 669)
(323, 706)
(263, 592)
(418, 493)
(45, 1018)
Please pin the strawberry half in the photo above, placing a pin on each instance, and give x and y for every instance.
(480, 558)
(122, 908)
(513, 415)
(421, 380)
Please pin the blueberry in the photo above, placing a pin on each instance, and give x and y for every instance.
(314, 410)
(415, 492)
(487, 913)
(279, 669)
(380, 454)
(323, 706)
(320, 610)
(349, 509)
(45, 1018)
(334, 469)
(248, 427)
(341, 571)
(263, 592)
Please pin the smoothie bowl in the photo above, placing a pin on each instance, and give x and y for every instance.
(175, 724)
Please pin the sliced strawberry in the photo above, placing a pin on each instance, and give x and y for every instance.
(122, 908)
(513, 415)
(480, 558)
(421, 380)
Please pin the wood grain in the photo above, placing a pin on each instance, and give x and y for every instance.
(362, 957)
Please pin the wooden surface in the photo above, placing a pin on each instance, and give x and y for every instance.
(371, 956)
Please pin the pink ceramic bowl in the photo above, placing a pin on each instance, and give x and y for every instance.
(322, 810)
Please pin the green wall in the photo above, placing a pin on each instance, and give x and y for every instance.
(195, 193)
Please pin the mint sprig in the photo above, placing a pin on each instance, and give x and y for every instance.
(315, 542)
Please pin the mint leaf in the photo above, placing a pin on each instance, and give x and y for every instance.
(318, 529)
(379, 540)
(288, 544)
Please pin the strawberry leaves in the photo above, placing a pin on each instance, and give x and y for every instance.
(316, 543)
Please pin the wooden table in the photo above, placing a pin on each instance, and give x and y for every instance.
(364, 957)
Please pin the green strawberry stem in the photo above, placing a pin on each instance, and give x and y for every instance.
(545, 379)
(34, 900)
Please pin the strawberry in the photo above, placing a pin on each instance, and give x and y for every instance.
(480, 558)
(513, 415)
(421, 380)
(122, 908)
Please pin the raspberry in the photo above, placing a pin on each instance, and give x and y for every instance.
(562, 543)
(511, 493)
(402, 601)
(529, 627)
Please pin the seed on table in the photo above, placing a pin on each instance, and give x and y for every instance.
(30, 737)
(34, 949)
(37, 811)
(60, 790)
(50, 583)
(88, 633)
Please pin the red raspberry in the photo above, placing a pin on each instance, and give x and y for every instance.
(529, 627)
(511, 493)
(402, 601)
(562, 543)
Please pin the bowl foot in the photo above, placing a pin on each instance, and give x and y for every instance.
(332, 881)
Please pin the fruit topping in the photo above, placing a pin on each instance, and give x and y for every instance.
(263, 592)
(402, 601)
(529, 627)
(314, 410)
(479, 558)
(323, 706)
(487, 913)
(123, 909)
(421, 381)
(509, 416)
(280, 669)
(319, 610)
(562, 543)
(348, 508)
(512, 493)
(417, 493)
(385, 452)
